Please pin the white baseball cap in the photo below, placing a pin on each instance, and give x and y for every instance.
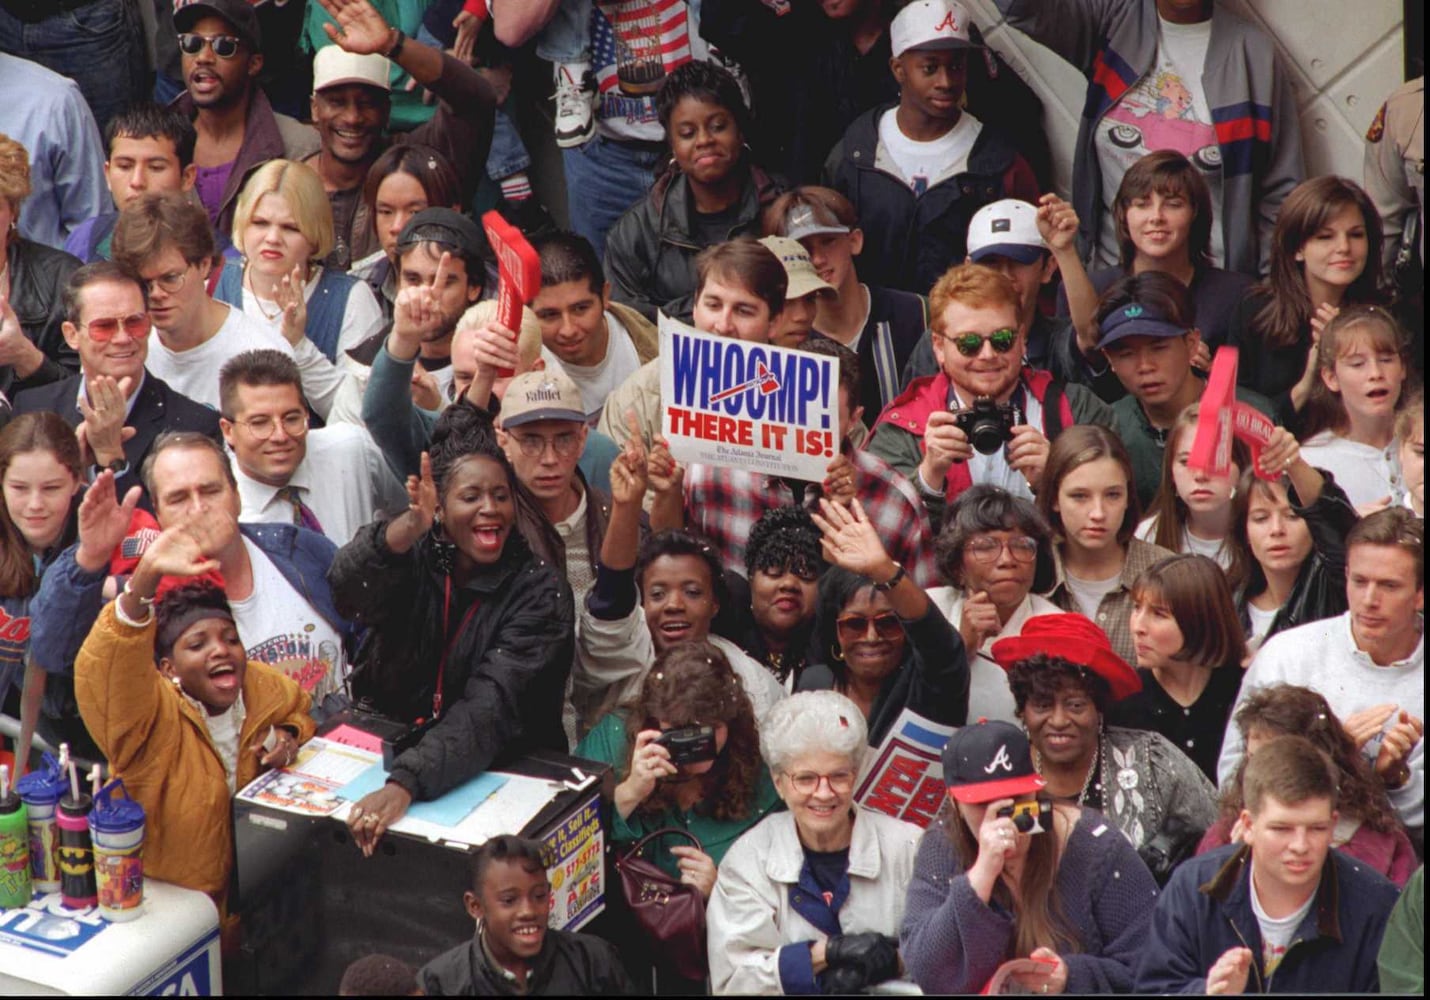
(930, 24)
(333, 66)
(1007, 228)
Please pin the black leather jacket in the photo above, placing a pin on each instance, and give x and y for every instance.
(37, 279)
(1320, 588)
(508, 646)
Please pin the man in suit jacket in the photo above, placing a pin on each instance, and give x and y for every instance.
(107, 323)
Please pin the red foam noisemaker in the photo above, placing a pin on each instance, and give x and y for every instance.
(518, 272)
(1220, 418)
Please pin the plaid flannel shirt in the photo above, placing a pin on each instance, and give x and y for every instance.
(724, 504)
(1114, 613)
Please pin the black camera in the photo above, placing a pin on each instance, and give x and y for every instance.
(1028, 817)
(689, 744)
(988, 425)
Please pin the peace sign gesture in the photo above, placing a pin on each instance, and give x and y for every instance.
(629, 473)
(418, 309)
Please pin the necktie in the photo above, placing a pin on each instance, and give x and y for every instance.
(303, 515)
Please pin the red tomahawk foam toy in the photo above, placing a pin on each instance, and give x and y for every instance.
(1220, 418)
(518, 272)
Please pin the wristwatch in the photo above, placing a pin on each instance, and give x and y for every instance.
(893, 581)
(395, 49)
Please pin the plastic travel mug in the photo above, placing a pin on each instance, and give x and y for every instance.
(14, 852)
(76, 851)
(41, 791)
(117, 827)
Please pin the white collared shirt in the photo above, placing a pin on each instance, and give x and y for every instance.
(343, 479)
(989, 696)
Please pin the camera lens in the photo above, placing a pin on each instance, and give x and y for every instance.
(986, 435)
(1024, 822)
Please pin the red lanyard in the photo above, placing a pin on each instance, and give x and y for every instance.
(450, 641)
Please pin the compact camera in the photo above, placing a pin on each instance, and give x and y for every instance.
(1029, 817)
(689, 744)
(988, 425)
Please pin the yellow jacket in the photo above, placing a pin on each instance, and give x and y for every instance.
(156, 740)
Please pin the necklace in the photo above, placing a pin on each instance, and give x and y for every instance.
(258, 299)
(1087, 782)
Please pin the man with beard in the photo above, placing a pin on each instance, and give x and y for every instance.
(351, 104)
(221, 55)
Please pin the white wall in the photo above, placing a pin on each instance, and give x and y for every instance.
(1345, 57)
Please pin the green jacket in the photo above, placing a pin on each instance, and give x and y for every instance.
(1402, 950)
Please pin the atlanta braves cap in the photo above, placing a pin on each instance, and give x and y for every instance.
(986, 760)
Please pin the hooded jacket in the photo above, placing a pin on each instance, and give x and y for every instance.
(651, 250)
(910, 240)
(502, 658)
(156, 740)
(1206, 910)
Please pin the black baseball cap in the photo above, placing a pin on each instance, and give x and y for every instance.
(445, 225)
(986, 761)
(238, 13)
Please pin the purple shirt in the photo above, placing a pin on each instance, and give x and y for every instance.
(210, 185)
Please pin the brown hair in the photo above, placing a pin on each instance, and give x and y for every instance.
(1290, 710)
(263, 367)
(155, 221)
(39, 431)
(183, 439)
(982, 508)
(1170, 509)
(1411, 417)
(1309, 206)
(692, 683)
(1291, 769)
(1075, 447)
(1248, 488)
(1394, 526)
(1039, 917)
(429, 167)
(828, 206)
(1169, 174)
(1195, 590)
(1159, 291)
(72, 297)
(1325, 409)
(974, 285)
(748, 263)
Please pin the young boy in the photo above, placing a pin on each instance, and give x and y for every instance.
(513, 952)
(1279, 912)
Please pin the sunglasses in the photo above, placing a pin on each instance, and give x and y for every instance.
(102, 331)
(224, 46)
(851, 627)
(970, 344)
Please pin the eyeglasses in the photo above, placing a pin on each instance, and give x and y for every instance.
(987, 550)
(807, 782)
(295, 424)
(970, 344)
(564, 444)
(852, 627)
(224, 46)
(171, 282)
(103, 330)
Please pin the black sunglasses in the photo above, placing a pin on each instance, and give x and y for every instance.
(224, 46)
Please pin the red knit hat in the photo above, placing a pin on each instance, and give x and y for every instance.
(1074, 638)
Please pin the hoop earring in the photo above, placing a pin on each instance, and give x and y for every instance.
(836, 653)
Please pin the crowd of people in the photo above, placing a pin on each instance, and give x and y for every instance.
(270, 458)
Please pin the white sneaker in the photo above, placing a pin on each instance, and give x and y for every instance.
(575, 104)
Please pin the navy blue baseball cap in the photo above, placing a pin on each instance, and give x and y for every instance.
(1136, 320)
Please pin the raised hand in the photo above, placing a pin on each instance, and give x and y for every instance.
(649, 763)
(104, 407)
(293, 301)
(404, 530)
(979, 620)
(494, 348)
(851, 542)
(1280, 453)
(1399, 741)
(997, 842)
(185, 549)
(629, 473)
(360, 28)
(16, 349)
(426, 393)
(1057, 223)
(663, 473)
(838, 482)
(103, 521)
(467, 25)
(417, 311)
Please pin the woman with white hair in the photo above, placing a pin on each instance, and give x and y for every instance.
(810, 900)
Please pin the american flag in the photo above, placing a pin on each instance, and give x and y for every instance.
(634, 30)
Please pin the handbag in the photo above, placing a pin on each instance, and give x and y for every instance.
(670, 913)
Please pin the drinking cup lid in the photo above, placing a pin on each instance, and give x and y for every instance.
(115, 813)
(42, 786)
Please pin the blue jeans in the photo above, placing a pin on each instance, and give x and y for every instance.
(567, 36)
(508, 153)
(603, 179)
(99, 46)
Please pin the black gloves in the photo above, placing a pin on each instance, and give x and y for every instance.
(859, 960)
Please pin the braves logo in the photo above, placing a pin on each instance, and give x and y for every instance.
(949, 23)
(1000, 759)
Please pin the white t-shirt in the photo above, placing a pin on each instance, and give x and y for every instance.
(1260, 624)
(1166, 109)
(597, 381)
(195, 372)
(1214, 549)
(362, 317)
(1365, 472)
(224, 730)
(1276, 932)
(281, 629)
(924, 164)
(1089, 593)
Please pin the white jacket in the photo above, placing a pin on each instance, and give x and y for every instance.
(613, 657)
(749, 917)
(989, 696)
